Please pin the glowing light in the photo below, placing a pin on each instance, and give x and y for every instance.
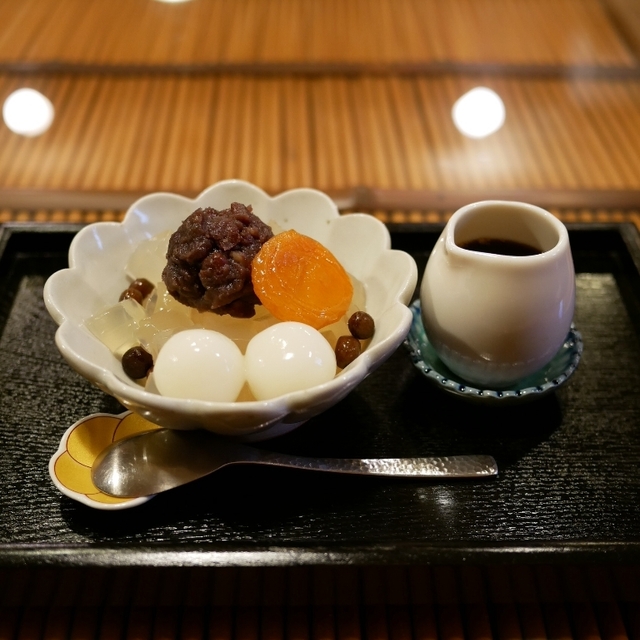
(478, 113)
(27, 112)
(173, 1)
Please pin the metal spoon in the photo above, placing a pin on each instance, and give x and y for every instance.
(158, 460)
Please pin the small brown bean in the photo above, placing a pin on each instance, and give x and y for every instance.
(132, 293)
(143, 286)
(347, 350)
(361, 325)
(137, 362)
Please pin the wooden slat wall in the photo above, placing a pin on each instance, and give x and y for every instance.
(396, 602)
(289, 93)
(181, 133)
(142, 32)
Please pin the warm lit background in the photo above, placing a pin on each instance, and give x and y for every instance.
(353, 97)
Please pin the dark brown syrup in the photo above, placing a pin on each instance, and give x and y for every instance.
(501, 247)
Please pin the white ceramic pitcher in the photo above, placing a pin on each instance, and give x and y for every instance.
(494, 319)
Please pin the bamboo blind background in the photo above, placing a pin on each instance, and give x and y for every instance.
(140, 32)
(181, 133)
(338, 95)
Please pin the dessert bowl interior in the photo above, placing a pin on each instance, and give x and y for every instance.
(96, 276)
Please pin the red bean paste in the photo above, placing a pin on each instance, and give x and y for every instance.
(209, 260)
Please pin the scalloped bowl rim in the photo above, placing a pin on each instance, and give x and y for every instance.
(286, 411)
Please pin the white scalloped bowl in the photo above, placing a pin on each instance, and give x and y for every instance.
(96, 277)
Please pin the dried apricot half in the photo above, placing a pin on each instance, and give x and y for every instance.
(298, 279)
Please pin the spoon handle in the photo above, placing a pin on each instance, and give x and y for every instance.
(464, 466)
(162, 459)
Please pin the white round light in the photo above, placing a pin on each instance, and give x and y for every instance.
(199, 364)
(27, 112)
(478, 113)
(287, 357)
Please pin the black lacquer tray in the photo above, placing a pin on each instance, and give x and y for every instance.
(568, 490)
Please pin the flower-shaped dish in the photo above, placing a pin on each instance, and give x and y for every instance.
(96, 277)
(70, 466)
(547, 379)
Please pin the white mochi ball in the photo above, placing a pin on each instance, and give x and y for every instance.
(286, 357)
(199, 364)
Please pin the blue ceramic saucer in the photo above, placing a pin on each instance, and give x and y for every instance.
(547, 379)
